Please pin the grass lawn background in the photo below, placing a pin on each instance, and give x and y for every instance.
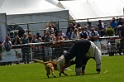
(112, 71)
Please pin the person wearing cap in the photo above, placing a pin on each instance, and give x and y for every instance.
(82, 51)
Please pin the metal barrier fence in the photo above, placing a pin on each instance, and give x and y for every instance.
(37, 50)
(52, 50)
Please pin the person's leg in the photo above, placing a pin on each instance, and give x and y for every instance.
(81, 61)
(24, 58)
(28, 58)
(50, 53)
(46, 52)
(85, 60)
(0, 56)
(121, 46)
(24, 55)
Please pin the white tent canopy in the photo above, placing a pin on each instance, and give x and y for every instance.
(78, 9)
(26, 6)
(81, 9)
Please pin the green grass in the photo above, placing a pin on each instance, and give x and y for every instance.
(112, 71)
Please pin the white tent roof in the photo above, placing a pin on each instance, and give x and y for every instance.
(26, 6)
(78, 9)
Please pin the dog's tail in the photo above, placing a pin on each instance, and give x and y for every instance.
(40, 61)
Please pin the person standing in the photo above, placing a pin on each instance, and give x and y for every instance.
(7, 44)
(48, 49)
(101, 28)
(121, 35)
(114, 24)
(1, 48)
(70, 28)
(17, 41)
(25, 50)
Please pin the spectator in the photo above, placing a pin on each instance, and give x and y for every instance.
(34, 39)
(1, 49)
(25, 50)
(7, 44)
(70, 28)
(120, 22)
(17, 40)
(121, 35)
(79, 29)
(62, 34)
(55, 28)
(114, 24)
(38, 35)
(30, 37)
(21, 31)
(47, 49)
(75, 35)
(83, 34)
(93, 35)
(78, 25)
(89, 26)
(88, 31)
(70, 33)
(50, 29)
(101, 28)
(58, 37)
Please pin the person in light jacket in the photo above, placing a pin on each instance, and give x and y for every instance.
(82, 51)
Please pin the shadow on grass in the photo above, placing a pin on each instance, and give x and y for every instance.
(72, 75)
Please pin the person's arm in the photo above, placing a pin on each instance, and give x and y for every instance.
(3, 43)
(98, 60)
(10, 44)
(72, 35)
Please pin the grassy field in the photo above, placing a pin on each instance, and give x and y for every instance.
(112, 71)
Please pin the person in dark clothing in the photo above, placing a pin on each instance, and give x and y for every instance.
(101, 28)
(21, 31)
(83, 34)
(17, 41)
(83, 50)
(0, 50)
(120, 22)
(121, 35)
(38, 35)
(71, 27)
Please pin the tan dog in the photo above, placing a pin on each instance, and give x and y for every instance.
(50, 66)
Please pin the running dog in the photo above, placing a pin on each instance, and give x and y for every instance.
(50, 66)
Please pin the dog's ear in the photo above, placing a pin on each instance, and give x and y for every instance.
(69, 63)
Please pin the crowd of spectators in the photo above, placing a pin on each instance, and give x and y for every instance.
(74, 32)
